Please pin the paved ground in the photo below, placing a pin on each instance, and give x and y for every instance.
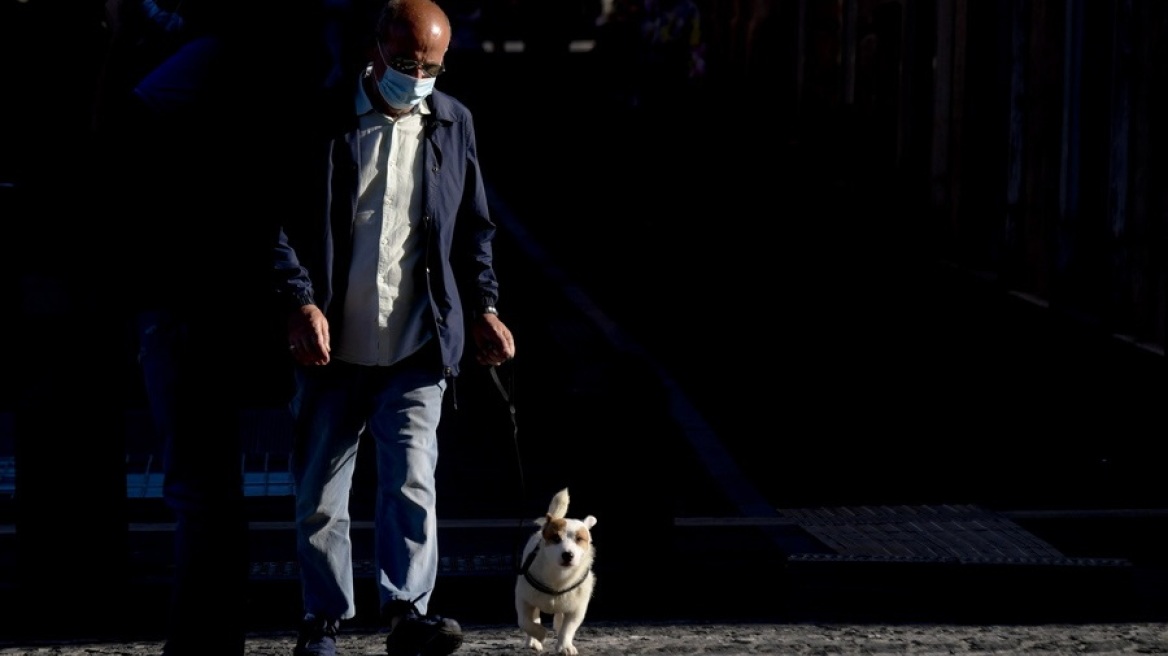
(677, 638)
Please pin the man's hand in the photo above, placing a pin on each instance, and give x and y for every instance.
(308, 336)
(495, 343)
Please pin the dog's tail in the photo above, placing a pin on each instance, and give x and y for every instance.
(558, 508)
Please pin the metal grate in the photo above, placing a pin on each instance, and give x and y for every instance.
(962, 534)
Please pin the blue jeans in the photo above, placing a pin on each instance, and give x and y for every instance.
(399, 407)
(194, 403)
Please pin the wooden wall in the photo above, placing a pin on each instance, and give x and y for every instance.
(1022, 140)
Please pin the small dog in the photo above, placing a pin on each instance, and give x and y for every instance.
(556, 577)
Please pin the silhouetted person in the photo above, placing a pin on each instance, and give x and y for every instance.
(199, 178)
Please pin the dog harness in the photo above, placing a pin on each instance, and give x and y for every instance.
(539, 585)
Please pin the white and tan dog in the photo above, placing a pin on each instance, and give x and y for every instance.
(556, 577)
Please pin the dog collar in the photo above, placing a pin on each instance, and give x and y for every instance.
(539, 585)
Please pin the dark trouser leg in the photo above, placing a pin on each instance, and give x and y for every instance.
(195, 409)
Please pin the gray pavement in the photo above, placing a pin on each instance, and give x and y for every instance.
(683, 637)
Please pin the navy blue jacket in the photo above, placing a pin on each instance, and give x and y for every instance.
(315, 246)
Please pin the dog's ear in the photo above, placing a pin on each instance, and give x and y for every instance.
(540, 521)
(589, 521)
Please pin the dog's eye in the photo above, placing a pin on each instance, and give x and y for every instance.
(580, 539)
(556, 539)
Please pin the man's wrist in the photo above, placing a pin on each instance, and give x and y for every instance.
(488, 309)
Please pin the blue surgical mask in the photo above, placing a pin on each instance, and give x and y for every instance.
(403, 91)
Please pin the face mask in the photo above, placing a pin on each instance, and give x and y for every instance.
(403, 91)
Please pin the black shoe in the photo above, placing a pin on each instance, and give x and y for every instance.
(317, 638)
(420, 635)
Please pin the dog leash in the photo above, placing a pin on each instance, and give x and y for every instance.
(507, 392)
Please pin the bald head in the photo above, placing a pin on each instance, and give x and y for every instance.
(421, 22)
(411, 40)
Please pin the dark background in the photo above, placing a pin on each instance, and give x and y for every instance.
(880, 253)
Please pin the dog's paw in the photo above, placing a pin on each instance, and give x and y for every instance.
(534, 644)
(567, 650)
